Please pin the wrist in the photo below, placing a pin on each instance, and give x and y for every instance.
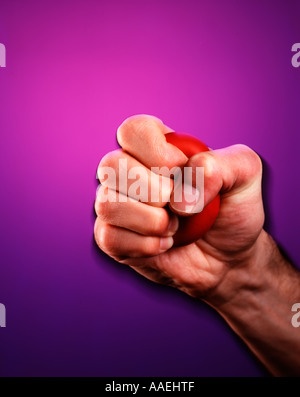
(248, 276)
(255, 299)
(263, 279)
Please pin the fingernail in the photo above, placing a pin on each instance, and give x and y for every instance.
(173, 224)
(191, 195)
(189, 201)
(166, 243)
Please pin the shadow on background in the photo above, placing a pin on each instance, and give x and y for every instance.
(160, 293)
(267, 184)
(266, 194)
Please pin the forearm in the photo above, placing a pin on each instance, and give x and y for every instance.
(258, 308)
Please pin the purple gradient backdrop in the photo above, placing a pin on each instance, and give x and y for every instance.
(75, 69)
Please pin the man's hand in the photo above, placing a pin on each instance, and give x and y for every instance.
(140, 234)
(236, 267)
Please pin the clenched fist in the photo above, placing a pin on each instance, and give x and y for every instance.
(235, 267)
(139, 234)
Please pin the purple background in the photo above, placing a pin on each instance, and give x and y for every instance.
(75, 69)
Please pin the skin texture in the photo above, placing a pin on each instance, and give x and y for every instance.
(192, 228)
(235, 267)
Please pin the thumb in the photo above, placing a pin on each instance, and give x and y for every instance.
(226, 171)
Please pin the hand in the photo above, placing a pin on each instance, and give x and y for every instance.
(236, 266)
(140, 234)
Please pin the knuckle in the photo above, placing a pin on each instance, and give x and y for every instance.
(110, 158)
(134, 125)
(206, 160)
(108, 166)
(125, 129)
(103, 210)
(104, 236)
(254, 159)
(209, 163)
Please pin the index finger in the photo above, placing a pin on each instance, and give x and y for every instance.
(143, 137)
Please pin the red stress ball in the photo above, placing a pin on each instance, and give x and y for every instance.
(193, 227)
